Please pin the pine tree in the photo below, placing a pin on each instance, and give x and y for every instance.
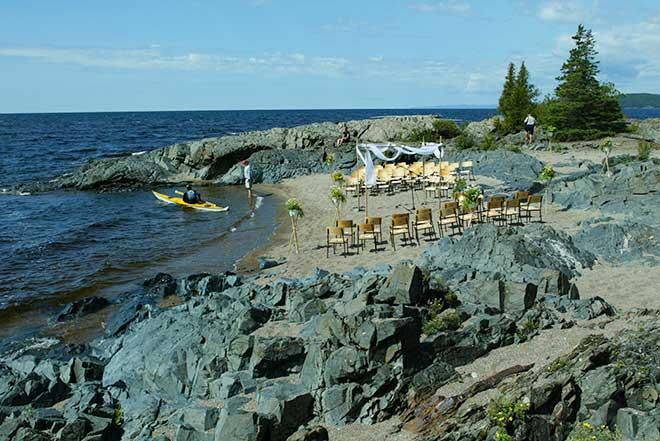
(517, 99)
(507, 91)
(583, 108)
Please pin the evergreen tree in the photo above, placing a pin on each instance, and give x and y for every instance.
(507, 91)
(517, 99)
(583, 108)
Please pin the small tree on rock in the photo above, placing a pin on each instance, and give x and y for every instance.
(517, 100)
(583, 108)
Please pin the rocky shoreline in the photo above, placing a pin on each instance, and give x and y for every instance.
(276, 154)
(260, 357)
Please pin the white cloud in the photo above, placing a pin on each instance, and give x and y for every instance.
(448, 6)
(571, 11)
(155, 58)
(632, 52)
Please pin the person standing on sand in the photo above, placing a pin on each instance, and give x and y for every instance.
(247, 174)
(530, 122)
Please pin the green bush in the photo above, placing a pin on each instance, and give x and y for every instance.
(442, 128)
(569, 135)
(446, 128)
(547, 174)
(488, 143)
(514, 148)
(588, 432)
(506, 415)
(644, 150)
(527, 328)
(447, 320)
(465, 141)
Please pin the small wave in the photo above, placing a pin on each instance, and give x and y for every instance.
(24, 193)
(139, 153)
(233, 229)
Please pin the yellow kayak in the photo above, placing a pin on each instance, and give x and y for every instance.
(205, 206)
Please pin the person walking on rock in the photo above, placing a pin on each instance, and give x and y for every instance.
(247, 174)
(530, 122)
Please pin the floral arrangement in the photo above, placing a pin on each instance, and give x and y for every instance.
(294, 208)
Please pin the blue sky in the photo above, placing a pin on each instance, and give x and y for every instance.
(268, 54)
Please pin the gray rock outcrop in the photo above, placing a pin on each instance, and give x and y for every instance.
(243, 361)
(277, 153)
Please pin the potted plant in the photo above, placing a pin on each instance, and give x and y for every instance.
(337, 178)
(459, 187)
(470, 201)
(546, 176)
(329, 159)
(338, 198)
(295, 212)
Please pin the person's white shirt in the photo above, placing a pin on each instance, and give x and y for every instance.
(246, 172)
(530, 120)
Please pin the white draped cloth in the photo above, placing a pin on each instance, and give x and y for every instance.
(390, 152)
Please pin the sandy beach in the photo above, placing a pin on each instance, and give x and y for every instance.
(629, 288)
(623, 286)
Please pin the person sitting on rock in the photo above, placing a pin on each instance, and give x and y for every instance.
(191, 196)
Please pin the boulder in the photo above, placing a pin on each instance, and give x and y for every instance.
(404, 286)
(638, 425)
(275, 154)
(287, 406)
(620, 241)
(479, 129)
(241, 426)
(342, 403)
(313, 433)
(82, 307)
(274, 357)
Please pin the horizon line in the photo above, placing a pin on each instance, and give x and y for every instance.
(445, 107)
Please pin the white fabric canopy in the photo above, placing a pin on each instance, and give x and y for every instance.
(390, 152)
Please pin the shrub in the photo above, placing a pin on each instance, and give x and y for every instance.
(506, 415)
(488, 143)
(644, 150)
(527, 328)
(514, 148)
(465, 141)
(446, 128)
(442, 128)
(547, 174)
(588, 432)
(568, 135)
(447, 320)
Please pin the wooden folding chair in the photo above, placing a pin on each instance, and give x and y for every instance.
(335, 236)
(400, 226)
(448, 219)
(366, 232)
(534, 205)
(377, 222)
(348, 229)
(424, 222)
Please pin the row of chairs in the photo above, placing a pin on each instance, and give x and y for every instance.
(522, 207)
(391, 177)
